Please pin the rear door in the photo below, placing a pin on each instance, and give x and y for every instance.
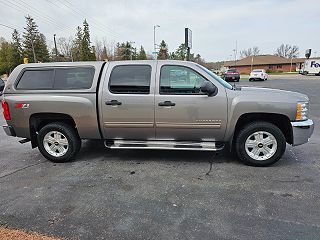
(127, 101)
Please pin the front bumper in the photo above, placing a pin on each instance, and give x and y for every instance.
(9, 131)
(302, 131)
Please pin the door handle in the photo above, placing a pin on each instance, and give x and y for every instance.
(166, 104)
(113, 103)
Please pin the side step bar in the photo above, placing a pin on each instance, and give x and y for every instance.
(165, 145)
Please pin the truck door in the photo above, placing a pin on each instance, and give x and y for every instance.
(127, 101)
(182, 111)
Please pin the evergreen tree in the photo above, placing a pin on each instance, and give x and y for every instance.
(181, 52)
(163, 52)
(142, 54)
(77, 45)
(42, 48)
(87, 53)
(17, 48)
(35, 46)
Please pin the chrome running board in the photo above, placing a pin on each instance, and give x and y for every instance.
(165, 145)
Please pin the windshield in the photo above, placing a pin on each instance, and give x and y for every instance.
(257, 70)
(216, 77)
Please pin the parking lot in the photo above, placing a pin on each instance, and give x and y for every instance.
(125, 194)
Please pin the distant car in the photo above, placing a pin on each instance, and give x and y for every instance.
(2, 84)
(258, 74)
(232, 75)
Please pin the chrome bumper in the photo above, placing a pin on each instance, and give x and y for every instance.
(9, 131)
(302, 131)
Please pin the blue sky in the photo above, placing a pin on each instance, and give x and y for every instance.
(216, 25)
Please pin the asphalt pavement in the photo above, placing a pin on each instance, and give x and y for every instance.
(126, 194)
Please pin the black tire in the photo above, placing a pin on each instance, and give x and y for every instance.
(251, 128)
(70, 133)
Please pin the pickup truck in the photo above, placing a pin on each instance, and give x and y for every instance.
(175, 105)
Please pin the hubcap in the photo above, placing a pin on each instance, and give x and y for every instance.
(261, 145)
(55, 143)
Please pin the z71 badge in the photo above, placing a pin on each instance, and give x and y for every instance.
(22, 105)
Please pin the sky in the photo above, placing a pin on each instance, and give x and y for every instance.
(217, 26)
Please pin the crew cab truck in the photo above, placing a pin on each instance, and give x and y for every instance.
(176, 105)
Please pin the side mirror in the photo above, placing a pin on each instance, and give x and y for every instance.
(209, 88)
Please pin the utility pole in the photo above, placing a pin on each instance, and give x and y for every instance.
(154, 40)
(55, 46)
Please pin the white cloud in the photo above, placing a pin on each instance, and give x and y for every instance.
(216, 25)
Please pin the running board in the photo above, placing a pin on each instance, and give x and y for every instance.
(165, 145)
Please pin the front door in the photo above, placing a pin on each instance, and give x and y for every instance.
(128, 101)
(182, 111)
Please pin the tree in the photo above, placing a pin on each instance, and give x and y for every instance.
(87, 52)
(142, 54)
(17, 54)
(35, 46)
(254, 51)
(163, 52)
(6, 57)
(287, 51)
(124, 51)
(65, 46)
(77, 45)
(181, 52)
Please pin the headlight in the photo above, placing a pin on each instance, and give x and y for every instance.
(302, 111)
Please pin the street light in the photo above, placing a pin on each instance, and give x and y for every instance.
(154, 38)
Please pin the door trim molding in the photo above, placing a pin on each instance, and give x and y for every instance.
(128, 124)
(188, 125)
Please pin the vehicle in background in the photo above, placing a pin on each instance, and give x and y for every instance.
(311, 66)
(258, 74)
(2, 85)
(231, 75)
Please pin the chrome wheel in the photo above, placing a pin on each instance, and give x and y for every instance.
(261, 145)
(55, 143)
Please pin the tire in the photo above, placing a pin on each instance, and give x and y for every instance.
(52, 149)
(250, 80)
(245, 138)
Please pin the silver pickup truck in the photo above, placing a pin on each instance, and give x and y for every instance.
(174, 105)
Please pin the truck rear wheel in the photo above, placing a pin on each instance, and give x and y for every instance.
(58, 142)
(260, 144)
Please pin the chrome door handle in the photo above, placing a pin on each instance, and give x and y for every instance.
(113, 103)
(166, 104)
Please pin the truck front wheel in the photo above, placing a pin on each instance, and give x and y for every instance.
(58, 142)
(260, 144)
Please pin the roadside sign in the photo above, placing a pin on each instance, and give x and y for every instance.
(188, 37)
(25, 60)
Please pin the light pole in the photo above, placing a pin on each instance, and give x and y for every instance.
(154, 39)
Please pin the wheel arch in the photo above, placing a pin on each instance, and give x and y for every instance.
(39, 120)
(280, 120)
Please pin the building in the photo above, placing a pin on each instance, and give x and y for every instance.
(268, 62)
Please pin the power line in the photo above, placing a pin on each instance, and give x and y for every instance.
(76, 11)
(98, 22)
(47, 16)
(23, 10)
(4, 25)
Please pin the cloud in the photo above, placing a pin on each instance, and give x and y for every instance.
(216, 25)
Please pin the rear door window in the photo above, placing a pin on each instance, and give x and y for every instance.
(36, 79)
(130, 79)
(73, 78)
